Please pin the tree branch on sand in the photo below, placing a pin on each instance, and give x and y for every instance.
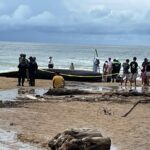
(140, 101)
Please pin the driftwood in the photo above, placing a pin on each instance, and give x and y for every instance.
(80, 139)
(140, 101)
(130, 93)
(64, 91)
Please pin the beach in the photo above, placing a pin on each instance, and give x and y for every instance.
(36, 122)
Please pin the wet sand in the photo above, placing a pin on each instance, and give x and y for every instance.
(38, 122)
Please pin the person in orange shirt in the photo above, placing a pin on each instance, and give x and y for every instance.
(58, 81)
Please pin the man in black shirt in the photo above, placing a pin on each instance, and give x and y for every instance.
(32, 71)
(134, 70)
(116, 65)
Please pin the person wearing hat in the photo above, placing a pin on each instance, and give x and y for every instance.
(58, 81)
(50, 63)
(22, 72)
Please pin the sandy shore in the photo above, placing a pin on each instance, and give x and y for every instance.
(38, 122)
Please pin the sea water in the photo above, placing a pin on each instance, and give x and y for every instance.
(81, 55)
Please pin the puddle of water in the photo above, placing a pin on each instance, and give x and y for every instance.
(8, 141)
(95, 88)
(113, 147)
(10, 95)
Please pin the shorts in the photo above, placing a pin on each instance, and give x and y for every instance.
(133, 76)
(126, 75)
(148, 74)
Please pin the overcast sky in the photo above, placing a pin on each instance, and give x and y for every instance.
(76, 21)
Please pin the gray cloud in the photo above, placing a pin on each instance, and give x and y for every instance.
(87, 17)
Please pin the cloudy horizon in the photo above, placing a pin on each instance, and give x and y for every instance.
(74, 21)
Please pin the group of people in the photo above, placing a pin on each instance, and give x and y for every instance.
(51, 64)
(27, 68)
(111, 70)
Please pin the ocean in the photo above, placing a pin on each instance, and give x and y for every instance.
(81, 55)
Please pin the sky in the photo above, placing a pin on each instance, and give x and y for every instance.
(76, 21)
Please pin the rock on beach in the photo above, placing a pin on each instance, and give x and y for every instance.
(80, 139)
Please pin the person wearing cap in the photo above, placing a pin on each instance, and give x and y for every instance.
(134, 71)
(22, 72)
(58, 81)
(50, 63)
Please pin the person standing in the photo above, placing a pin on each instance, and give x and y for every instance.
(143, 71)
(134, 71)
(116, 65)
(22, 72)
(143, 77)
(50, 63)
(32, 70)
(125, 75)
(144, 64)
(58, 81)
(96, 63)
(148, 73)
(71, 66)
(105, 71)
(21, 58)
(109, 70)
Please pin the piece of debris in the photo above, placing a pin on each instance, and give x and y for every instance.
(106, 111)
(31, 97)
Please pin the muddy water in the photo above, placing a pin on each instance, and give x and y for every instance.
(11, 95)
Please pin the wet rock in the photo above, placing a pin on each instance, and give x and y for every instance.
(12, 124)
(80, 139)
(63, 91)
